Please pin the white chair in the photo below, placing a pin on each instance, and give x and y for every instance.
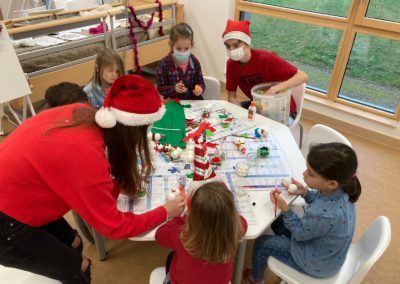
(213, 88)
(298, 96)
(157, 276)
(10, 275)
(319, 133)
(361, 256)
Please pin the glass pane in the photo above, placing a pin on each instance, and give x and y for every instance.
(388, 10)
(372, 74)
(330, 7)
(314, 54)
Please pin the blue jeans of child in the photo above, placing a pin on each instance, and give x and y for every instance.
(277, 246)
(42, 250)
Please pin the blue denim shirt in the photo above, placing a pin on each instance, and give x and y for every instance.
(320, 240)
(95, 94)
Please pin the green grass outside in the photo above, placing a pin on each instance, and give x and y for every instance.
(373, 71)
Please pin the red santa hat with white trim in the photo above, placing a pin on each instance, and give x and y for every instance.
(131, 101)
(237, 30)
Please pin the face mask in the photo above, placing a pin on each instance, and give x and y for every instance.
(236, 54)
(181, 56)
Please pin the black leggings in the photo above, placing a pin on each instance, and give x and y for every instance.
(42, 250)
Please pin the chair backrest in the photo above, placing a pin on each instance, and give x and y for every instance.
(320, 133)
(17, 276)
(298, 96)
(213, 88)
(370, 247)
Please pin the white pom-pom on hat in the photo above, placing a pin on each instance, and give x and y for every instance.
(105, 118)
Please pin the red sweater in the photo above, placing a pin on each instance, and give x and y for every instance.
(45, 174)
(184, 267)
(264, 66)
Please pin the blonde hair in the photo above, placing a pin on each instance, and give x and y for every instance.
(213, 228)
(106, 58)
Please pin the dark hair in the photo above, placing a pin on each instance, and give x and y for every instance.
(180, 31)
(336, 161)
(65, 93)
(125, 144)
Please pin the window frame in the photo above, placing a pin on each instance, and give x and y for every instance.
(356, 22)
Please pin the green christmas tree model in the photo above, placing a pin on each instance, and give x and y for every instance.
(172, 125)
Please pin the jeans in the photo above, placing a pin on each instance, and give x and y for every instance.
(42, 250)
(277, 246)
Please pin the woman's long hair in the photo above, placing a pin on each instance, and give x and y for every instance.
(127, 147)
(336, 161)
(213, 228)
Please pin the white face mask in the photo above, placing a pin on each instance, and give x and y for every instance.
(236, 54)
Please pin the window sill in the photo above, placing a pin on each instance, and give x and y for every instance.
(352, 120)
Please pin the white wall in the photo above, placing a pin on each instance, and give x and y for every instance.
(4, 7)
(208, 19)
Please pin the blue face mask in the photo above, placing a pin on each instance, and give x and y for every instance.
(181, 56)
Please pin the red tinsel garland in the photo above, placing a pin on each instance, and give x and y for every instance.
(144, 28)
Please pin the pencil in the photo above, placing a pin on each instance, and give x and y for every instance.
(258, 186)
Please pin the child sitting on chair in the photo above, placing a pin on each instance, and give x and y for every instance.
(204, 243)
(179, 73)
(247, 67)
(108, 67)
(316, 244)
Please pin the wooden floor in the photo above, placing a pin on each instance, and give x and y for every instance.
(379, 169)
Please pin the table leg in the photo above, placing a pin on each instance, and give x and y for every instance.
(239, 261)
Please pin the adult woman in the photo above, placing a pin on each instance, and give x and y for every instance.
(57, 161)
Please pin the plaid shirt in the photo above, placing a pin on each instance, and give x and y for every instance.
(169, 74)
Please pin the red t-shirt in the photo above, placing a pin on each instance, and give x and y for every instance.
(184, 267)
(46, 173)
(264, 66)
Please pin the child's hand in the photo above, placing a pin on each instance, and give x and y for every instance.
(197, 90)
(273, 90)
(180, 88)
(276, 198)
(176, 206)
(301, 189)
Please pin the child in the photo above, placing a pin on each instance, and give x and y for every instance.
(65, 93)
(108, 67)
(179, 73)
(247, 67)
(316, 244)
(204, 242)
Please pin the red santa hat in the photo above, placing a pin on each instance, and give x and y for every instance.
(237, 30)
(131, 101)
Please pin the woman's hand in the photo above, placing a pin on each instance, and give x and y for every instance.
(180, 88)
(175, 207)
(278, 200)
(301, 189)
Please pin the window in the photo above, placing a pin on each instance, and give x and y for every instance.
(349, 48)
(330, 7)
(388, 10)
(372, 73)
(314, 55)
